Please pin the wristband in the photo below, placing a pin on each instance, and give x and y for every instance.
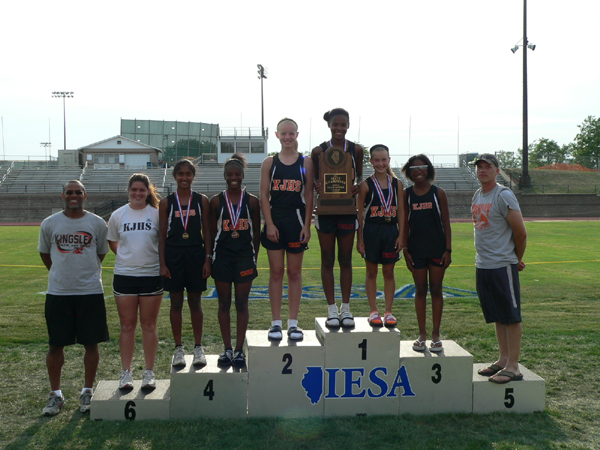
(449, 250)
(208, 255)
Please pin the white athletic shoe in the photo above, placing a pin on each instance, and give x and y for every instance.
(179, 356)
(126, 380)
(85, 401)
(199, 356)
(149, 380)
(55, 403)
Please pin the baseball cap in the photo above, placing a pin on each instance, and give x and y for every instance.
(488, 158)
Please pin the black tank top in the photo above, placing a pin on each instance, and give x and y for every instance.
(287, 186)
(241, 246)
(373, 207)
(426, 238)
(175, 228)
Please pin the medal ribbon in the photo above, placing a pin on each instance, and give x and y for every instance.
(345, 144)
(187, 215)
(234, 215)
(386, 203)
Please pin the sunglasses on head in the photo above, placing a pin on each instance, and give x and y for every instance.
(70, 192)
(418, 167)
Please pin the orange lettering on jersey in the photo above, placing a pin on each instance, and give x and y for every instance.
(192, 213)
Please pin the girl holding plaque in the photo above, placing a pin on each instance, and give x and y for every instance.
(286, 198)
(381, 221)
(429, 245)
(340, 228)
(185, 251)
(235, 225)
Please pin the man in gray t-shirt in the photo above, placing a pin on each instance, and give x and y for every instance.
(500, 241)
(72, 245)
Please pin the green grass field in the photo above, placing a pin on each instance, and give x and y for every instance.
(560, 343)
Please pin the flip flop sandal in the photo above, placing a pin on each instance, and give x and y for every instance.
(419, 346)
(491, 370)
(505, 373)
(434, 347)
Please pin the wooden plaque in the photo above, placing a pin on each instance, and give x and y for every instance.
(336, 177)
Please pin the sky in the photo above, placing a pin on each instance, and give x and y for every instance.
(434, 77)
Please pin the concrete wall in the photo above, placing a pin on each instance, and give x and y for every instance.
(36, 207)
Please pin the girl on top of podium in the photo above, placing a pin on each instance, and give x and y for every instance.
(185, 251)
(137, 285)
(286, 198)
(340, 228)
(429, 245)
(235, 227)
(380, 239)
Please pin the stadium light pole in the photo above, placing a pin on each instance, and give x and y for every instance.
(525, 180)
(47, 148)
(262, 74)
(63, 95)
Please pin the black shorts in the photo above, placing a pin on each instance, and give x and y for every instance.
(289, 226)
(380, 243)
(124, 285)
(185, 265)
(342, 225)
(234, 270)
(500, 294)
(424, 263)
(76, 319)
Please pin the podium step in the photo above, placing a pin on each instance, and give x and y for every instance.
(209, 391)
(361, 372)
(525, 396)
(441, 382)
(110, 403)
(285, 377)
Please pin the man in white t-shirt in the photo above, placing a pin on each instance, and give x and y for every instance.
(500, 241)
(72, 246)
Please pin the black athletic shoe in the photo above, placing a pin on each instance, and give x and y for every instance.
(239, 359)
(225, 358)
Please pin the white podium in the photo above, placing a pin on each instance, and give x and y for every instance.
(525, 396)
(441, 382)
(361, 369)
(211, 391)
(284, 376)
(110, 403)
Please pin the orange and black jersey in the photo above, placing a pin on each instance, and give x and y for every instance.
(287, 185)
(374, 209)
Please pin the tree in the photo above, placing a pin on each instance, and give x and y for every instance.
(587, 143)
(544, 152)
(508, 160)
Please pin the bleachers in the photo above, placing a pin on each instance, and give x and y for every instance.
(27, 181)
(209, 179)
(115, 180)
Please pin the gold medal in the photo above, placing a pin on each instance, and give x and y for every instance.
(185, 235)
(235, 235)
(388, 219)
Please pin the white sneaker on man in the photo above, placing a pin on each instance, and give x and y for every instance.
(54, 405)
(199, 356)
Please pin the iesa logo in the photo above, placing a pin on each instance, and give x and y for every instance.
(352, 382)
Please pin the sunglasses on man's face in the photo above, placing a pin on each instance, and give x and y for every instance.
(69, 192)
(418, 167)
